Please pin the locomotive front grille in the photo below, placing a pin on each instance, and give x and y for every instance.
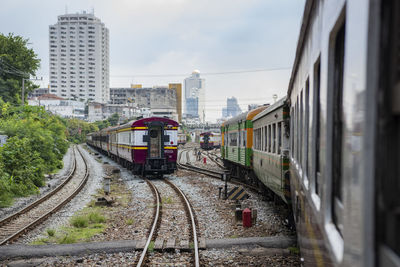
(155, 164)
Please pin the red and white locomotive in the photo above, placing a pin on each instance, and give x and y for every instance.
(146, 146)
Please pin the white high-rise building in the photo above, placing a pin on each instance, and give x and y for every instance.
(195, 96)
(79, 58)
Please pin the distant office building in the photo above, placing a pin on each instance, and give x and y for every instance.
(150, 97)
(195, 89)
(161, 100)
(232, 108)
(178, 89)
(38, 92)
(79, 58)
(192, 104)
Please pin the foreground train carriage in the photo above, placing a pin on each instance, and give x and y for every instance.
(237, 141)
(147, 146)
(271, 149)
(344, 134)
(210, 140)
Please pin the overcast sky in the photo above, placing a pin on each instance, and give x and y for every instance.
(173, 37)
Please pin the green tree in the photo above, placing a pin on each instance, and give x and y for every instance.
(16, 62)
(46, 133)
(102, 124)
(78, 129)
(113, 120)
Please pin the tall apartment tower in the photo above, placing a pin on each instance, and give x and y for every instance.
(79, 58)
(195, 96)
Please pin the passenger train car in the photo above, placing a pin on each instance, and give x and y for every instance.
(343, 135)
(181, 138)
(147, 146)
(271, 149)
(237, 143)
(344, 106)
(210, 140)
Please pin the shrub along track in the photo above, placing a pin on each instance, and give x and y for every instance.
(26, 219)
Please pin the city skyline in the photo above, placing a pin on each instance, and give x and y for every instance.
(178, 37)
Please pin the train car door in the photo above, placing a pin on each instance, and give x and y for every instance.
(387, 141)
(155, 143)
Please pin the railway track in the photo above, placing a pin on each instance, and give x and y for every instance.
(213, 157)
(162, 218)
(213, 173)
(26, 219)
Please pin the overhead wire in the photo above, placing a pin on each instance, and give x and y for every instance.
(11, 69)
(203, 74)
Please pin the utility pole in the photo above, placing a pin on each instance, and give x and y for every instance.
(23, 88)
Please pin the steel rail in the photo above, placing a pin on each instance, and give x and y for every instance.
(192, 220)
(157, 217)
(208, 172)
(215, 160)
(216, 174)
(155, 222)
(53, 210)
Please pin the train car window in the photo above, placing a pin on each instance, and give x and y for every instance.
(269, 138)
(239, 137)
(387, 141)
(255, 139)
(233, 139)
(297, 143)
(274, 138)
(279, 137)
(292, 130)
(307, 129)
(316, 126)
(244, 138)
(337, 126)
(258, 139)
(301, 131)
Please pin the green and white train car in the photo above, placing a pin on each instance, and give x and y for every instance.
(237, 141)
(271, 148)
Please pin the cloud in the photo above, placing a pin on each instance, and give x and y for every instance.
(177, 36)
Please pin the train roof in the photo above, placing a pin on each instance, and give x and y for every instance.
(143, 123)
(281, 102)
(249, 115)
(300, 43)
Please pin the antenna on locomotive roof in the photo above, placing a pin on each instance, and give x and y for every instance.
(275, 97)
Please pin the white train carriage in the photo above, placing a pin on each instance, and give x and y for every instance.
(345, 133)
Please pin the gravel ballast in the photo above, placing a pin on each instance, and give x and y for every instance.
(62, 217)
(131, 215)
